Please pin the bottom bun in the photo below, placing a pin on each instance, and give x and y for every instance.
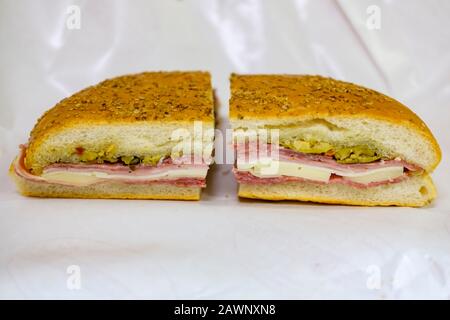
(416, 191)
(107, 190)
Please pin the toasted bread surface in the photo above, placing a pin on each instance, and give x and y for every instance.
(351, 111)
(147, 106)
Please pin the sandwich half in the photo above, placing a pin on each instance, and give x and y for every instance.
(141, 136)
(311, 138)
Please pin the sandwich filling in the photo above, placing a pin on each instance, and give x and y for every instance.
(181, 171)
(278, 164)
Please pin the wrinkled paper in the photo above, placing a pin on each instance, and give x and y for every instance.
(221, 247)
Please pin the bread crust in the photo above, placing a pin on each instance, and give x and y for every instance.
(108, 190)
(272, 193)
(304, 97)
(148, 97)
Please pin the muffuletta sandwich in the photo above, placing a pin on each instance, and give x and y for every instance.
(311, 138)
(141, 136)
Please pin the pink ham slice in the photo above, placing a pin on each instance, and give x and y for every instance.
(248, 178)
(116, 169)
(284, 154)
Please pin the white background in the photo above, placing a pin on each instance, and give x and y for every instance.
(221, 247)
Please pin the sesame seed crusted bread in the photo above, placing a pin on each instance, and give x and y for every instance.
(341, 113)
(131, 115)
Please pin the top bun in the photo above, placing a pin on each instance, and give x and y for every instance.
(136, 114)
(337, 111)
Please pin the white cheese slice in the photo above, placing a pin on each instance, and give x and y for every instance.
(86, 178)
(374, 175)
(275, 168)
(71, 178)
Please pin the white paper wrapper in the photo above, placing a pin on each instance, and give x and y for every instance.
(221, 247)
